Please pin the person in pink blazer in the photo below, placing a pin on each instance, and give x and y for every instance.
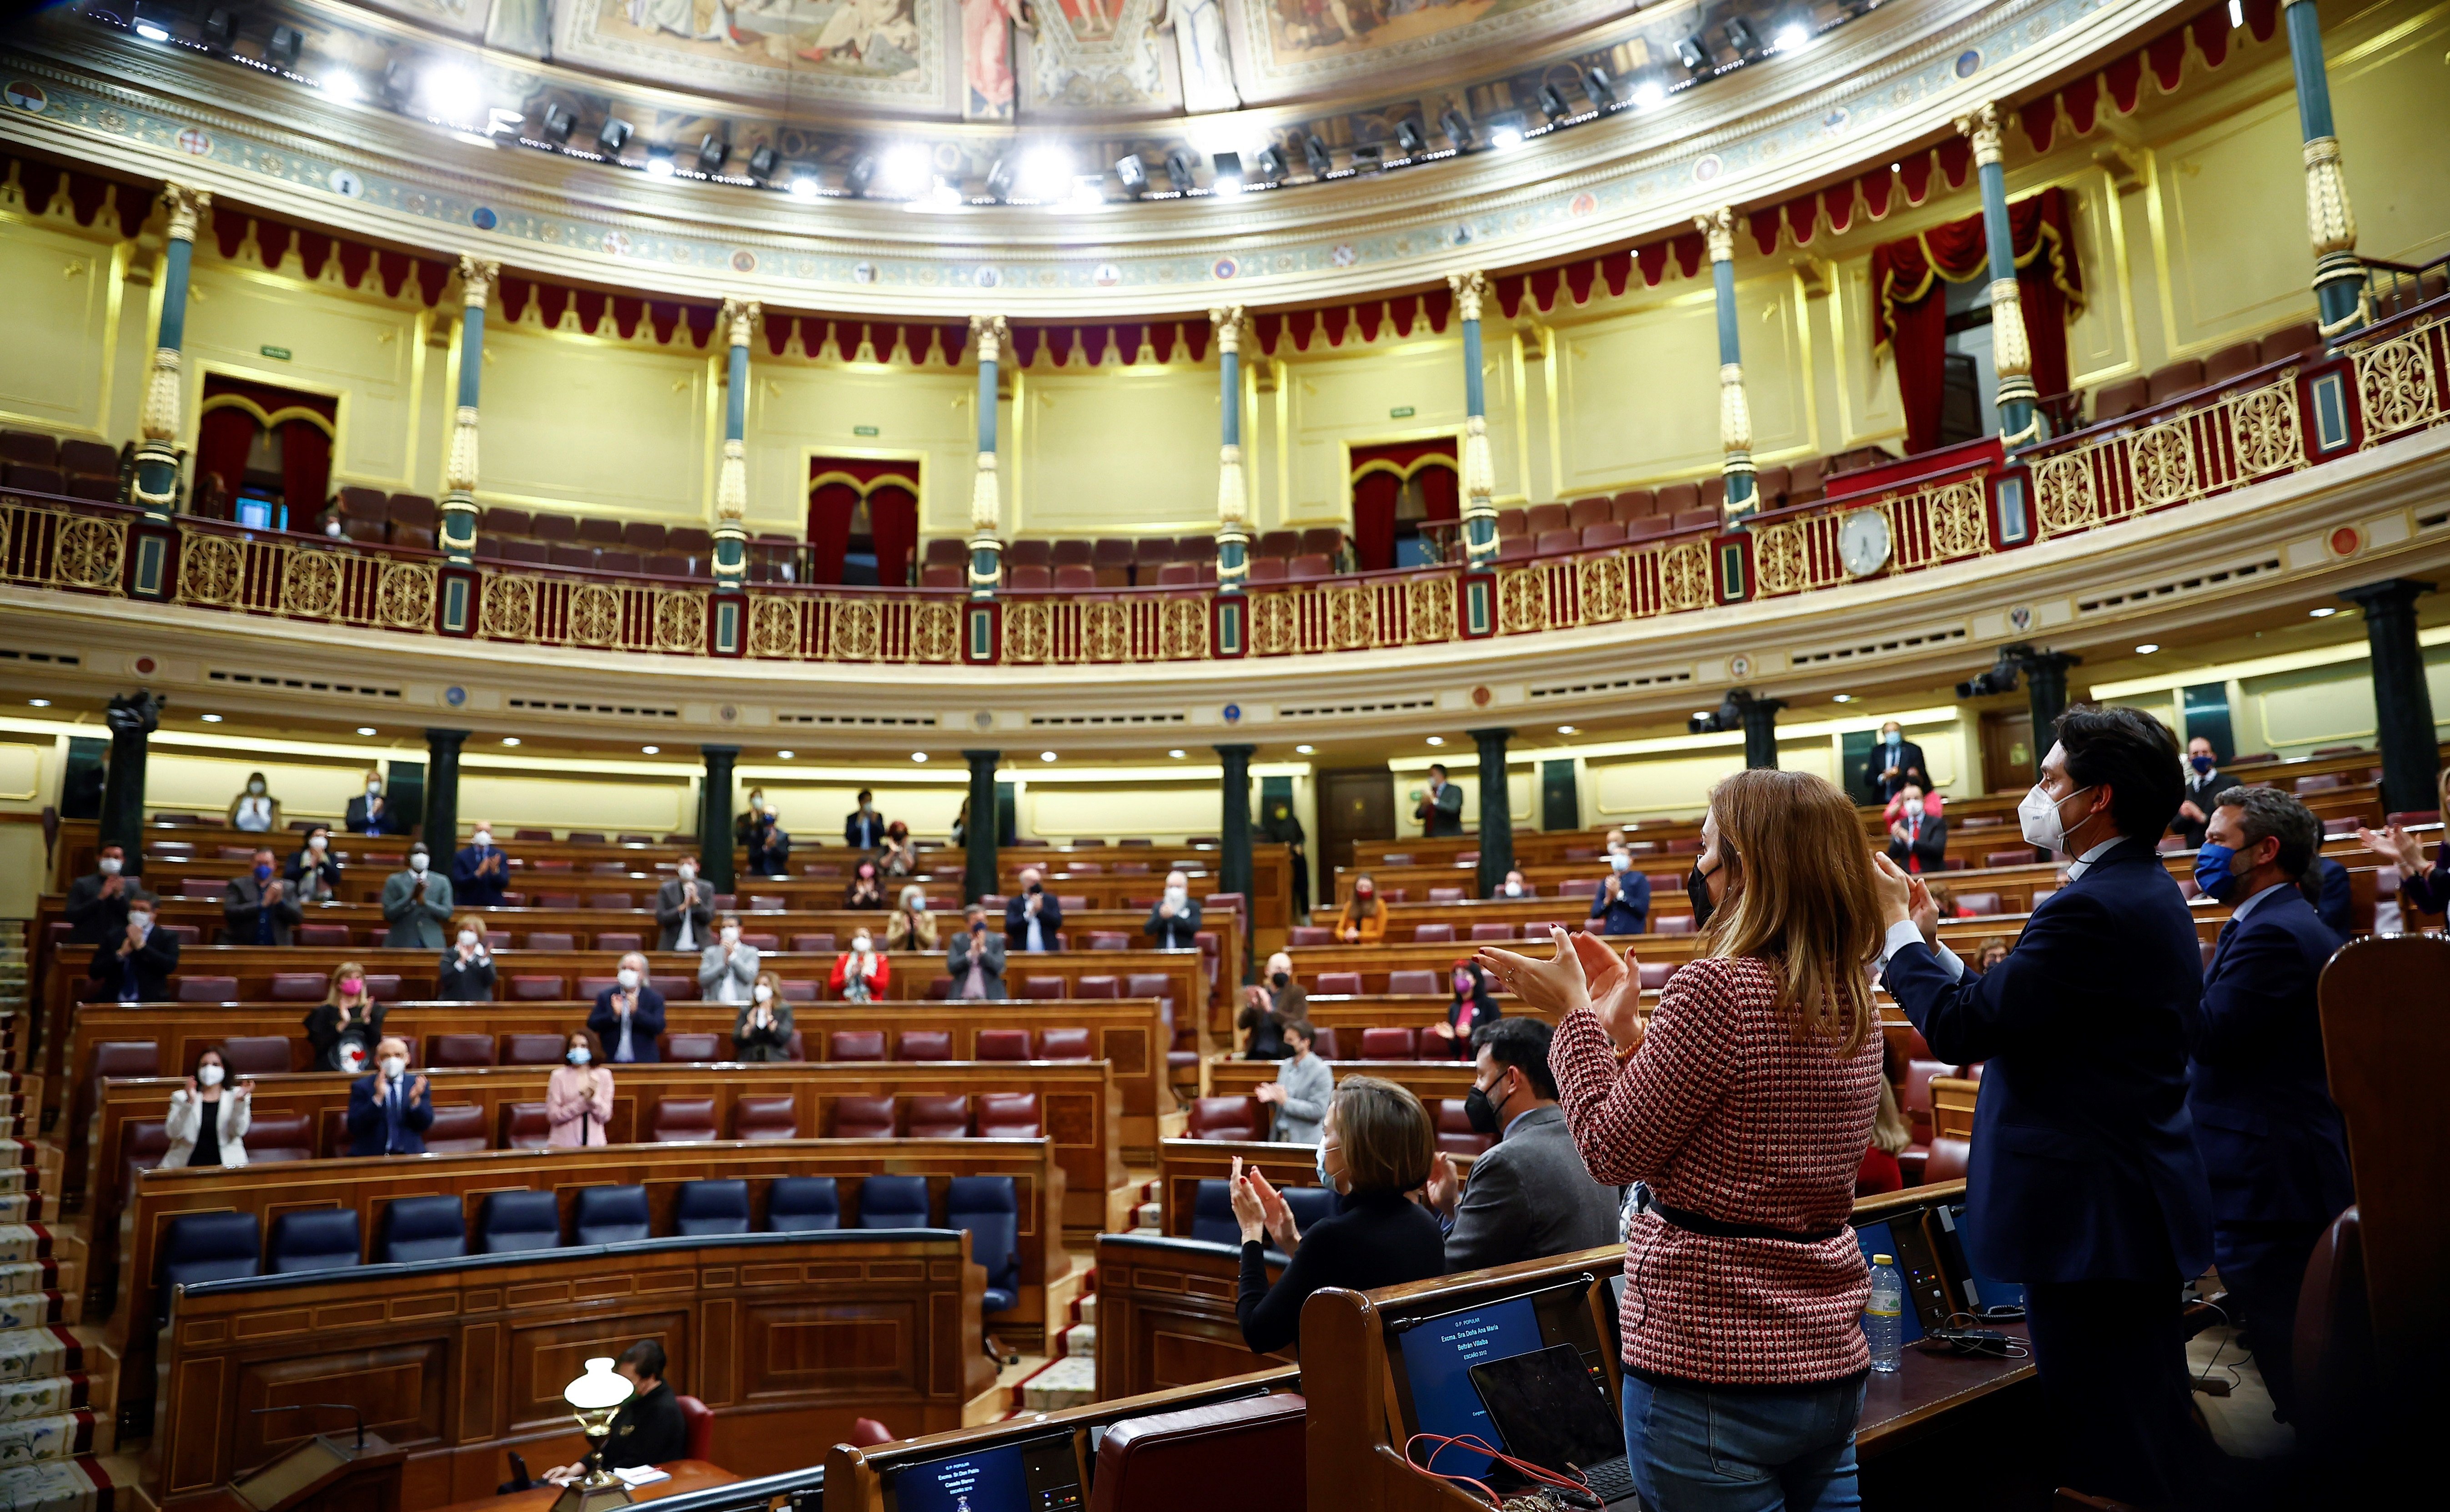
(578, 1096)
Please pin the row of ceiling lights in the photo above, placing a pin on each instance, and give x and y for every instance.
(1046, 174)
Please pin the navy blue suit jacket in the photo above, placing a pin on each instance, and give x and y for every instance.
(2084, 1163)
(366, 1119)
(1630, 913)
(646, 1024)
(2272, 1138)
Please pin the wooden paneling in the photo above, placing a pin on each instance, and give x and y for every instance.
(840, 1326)
(1166, 1315)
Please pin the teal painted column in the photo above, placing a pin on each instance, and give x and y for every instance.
(459, 467)
(1233, 499)
(1479, 473)
(2330, 223)
(158, 426)
(988, 333)
(2012, 348)
(732, 484)
(1735, 410)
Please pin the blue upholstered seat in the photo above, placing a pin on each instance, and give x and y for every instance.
(799, 1204)
(418, 1228)
(710, 1208)
(893, 1202)
(512, 1221)
(988, 1208)
(315, 1239)
(208, 1246)
(610, 1214)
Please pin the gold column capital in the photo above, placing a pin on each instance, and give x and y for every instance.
(1229, 324)
(1470, 290)
(1981, 126)
(988, 332)
(1719, 228)
(740, 316)
(476, 277)
(187, 207)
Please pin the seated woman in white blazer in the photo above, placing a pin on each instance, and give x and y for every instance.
(208, 1113)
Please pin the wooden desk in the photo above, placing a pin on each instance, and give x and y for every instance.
(687, 1476)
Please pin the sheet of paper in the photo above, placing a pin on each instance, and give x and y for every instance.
(641, 1475)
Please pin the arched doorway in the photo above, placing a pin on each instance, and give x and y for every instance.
(1401, 492)
(263, 454)
(863, 520)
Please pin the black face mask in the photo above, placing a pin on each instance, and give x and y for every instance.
(1282, 979)
(1480, 1111)
(1697, 888)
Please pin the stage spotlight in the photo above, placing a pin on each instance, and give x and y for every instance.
(1600, 86)
(1314, 152)
(1650, 94)
(221, 28)
(804, 186)
(1693, 55)
(1181, 169)
(1131, 172)
(904, 173)
(1228, 179)
(612, 136)
(1553, 102)
(2001, 678)
(1793, 37)
(761, 162)
(999, 179)
(1408, 137)
(1458, 130)
(712, 153)
(343, 86)
(152, 22)
(282, 48)
(1725, 719)
(1505, 134)
(1739, 36)
(862, 173)
(659, 163)
(1045, 173)
(1271, 163)
(560, 121)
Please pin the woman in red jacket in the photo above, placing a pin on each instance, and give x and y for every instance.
(861, 974)
(1745, 1104)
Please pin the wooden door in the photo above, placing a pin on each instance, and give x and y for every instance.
(1357, 804)
(2009, 760)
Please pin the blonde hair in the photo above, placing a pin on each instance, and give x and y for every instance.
(349, 968)
(1800, 898)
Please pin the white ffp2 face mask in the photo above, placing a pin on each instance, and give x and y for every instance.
(764, 994)
(394, 1065)
(2038, 816)
(208, 1075)
(468, 937)
(629, 979)
(417, 862)
(109, 865)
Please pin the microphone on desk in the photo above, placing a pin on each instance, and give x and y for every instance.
(308, 1407)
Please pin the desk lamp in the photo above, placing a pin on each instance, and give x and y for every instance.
(594, 1398)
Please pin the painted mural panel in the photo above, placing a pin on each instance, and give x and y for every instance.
(873, 51)
(1296, 47)
(1096, 55)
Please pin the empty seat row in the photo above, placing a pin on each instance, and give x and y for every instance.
(377, 518)
(38, 463)
(2117, 401)
(197, 1248)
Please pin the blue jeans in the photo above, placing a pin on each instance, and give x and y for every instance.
(1692, 1449)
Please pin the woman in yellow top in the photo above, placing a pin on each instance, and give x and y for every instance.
(1363, 922)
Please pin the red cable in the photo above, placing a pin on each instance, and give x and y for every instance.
(1538, 1474)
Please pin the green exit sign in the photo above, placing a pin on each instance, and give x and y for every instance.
(1401, 412)
(278, 353)
(865, 430)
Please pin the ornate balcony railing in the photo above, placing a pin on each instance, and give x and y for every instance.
(2384, 382)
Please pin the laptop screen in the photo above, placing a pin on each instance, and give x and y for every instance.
(1438, 1356)
(1551, 1411)
(1041, 1475)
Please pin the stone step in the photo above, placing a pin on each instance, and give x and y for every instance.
(1068, 1382)
(1148, 1215)
(1079, 1341)
(1087, 1309)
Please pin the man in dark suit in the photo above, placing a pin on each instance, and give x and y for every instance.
(257, 908)
(1440, 810)
(2272, 1140)
(1529, 1194)
(480, 873)
(97, 905)
(2327, 886)
(134, 966)
(628, 1015)
(1174, 923)
(371, 814)
(2084, 1183)
(1918, 839)
(685, 909)
(2205, 782)
(865, 828)
(388, 1113)
(1622, 900)
(1895, 760)
(1031, 919)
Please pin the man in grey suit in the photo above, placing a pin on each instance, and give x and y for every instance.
(256, 905)
(1529, 1196)
(417, 903)
(685, 908)
(974, 958)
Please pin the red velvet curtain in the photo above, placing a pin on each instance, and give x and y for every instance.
(305, 467)
(893, 516)
(1442, 491)
(1378, 476)
(1909, 316)
(829, 511)
(1373, 520)
(223, 440)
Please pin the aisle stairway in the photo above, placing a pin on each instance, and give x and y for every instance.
(50, 1442)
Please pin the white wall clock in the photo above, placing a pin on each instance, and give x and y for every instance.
(1863, 542)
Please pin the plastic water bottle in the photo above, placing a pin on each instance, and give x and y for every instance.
(1883, 1314)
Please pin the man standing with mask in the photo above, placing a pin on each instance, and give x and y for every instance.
(2084, 1183)
(1174, 923)
(1621, 905)
(863, 829)
(1529, 1194)
(685, 908)
(2205, 782)
(628, 1015)
(97, 905)
(2272, 1140)
(370, 814)
(389, 1113)
(1440, 810)
(1031, 920)
(135, 965)
(480, 873)
(256, 905)
(1894, 760)
(417, 903)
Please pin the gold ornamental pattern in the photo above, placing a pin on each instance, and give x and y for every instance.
(1960, 519)
(1429, 609)
(2063, 489)
(2263, 428)
(89, 552)
(855, 630)
(1105, 632)
(1026, 632)
(1523, 601)
(404, 596)
(2395, 380)
(310, 585)
(1605, 595)
(1351, 619)
(1684, 576)
(935, 633)
(594, 617)
(2162, 461)
(773, 627)
(1274, 627)
(510, 609)
(680, 622)
(1186, 629)
(1778, 558)
(212, 569)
